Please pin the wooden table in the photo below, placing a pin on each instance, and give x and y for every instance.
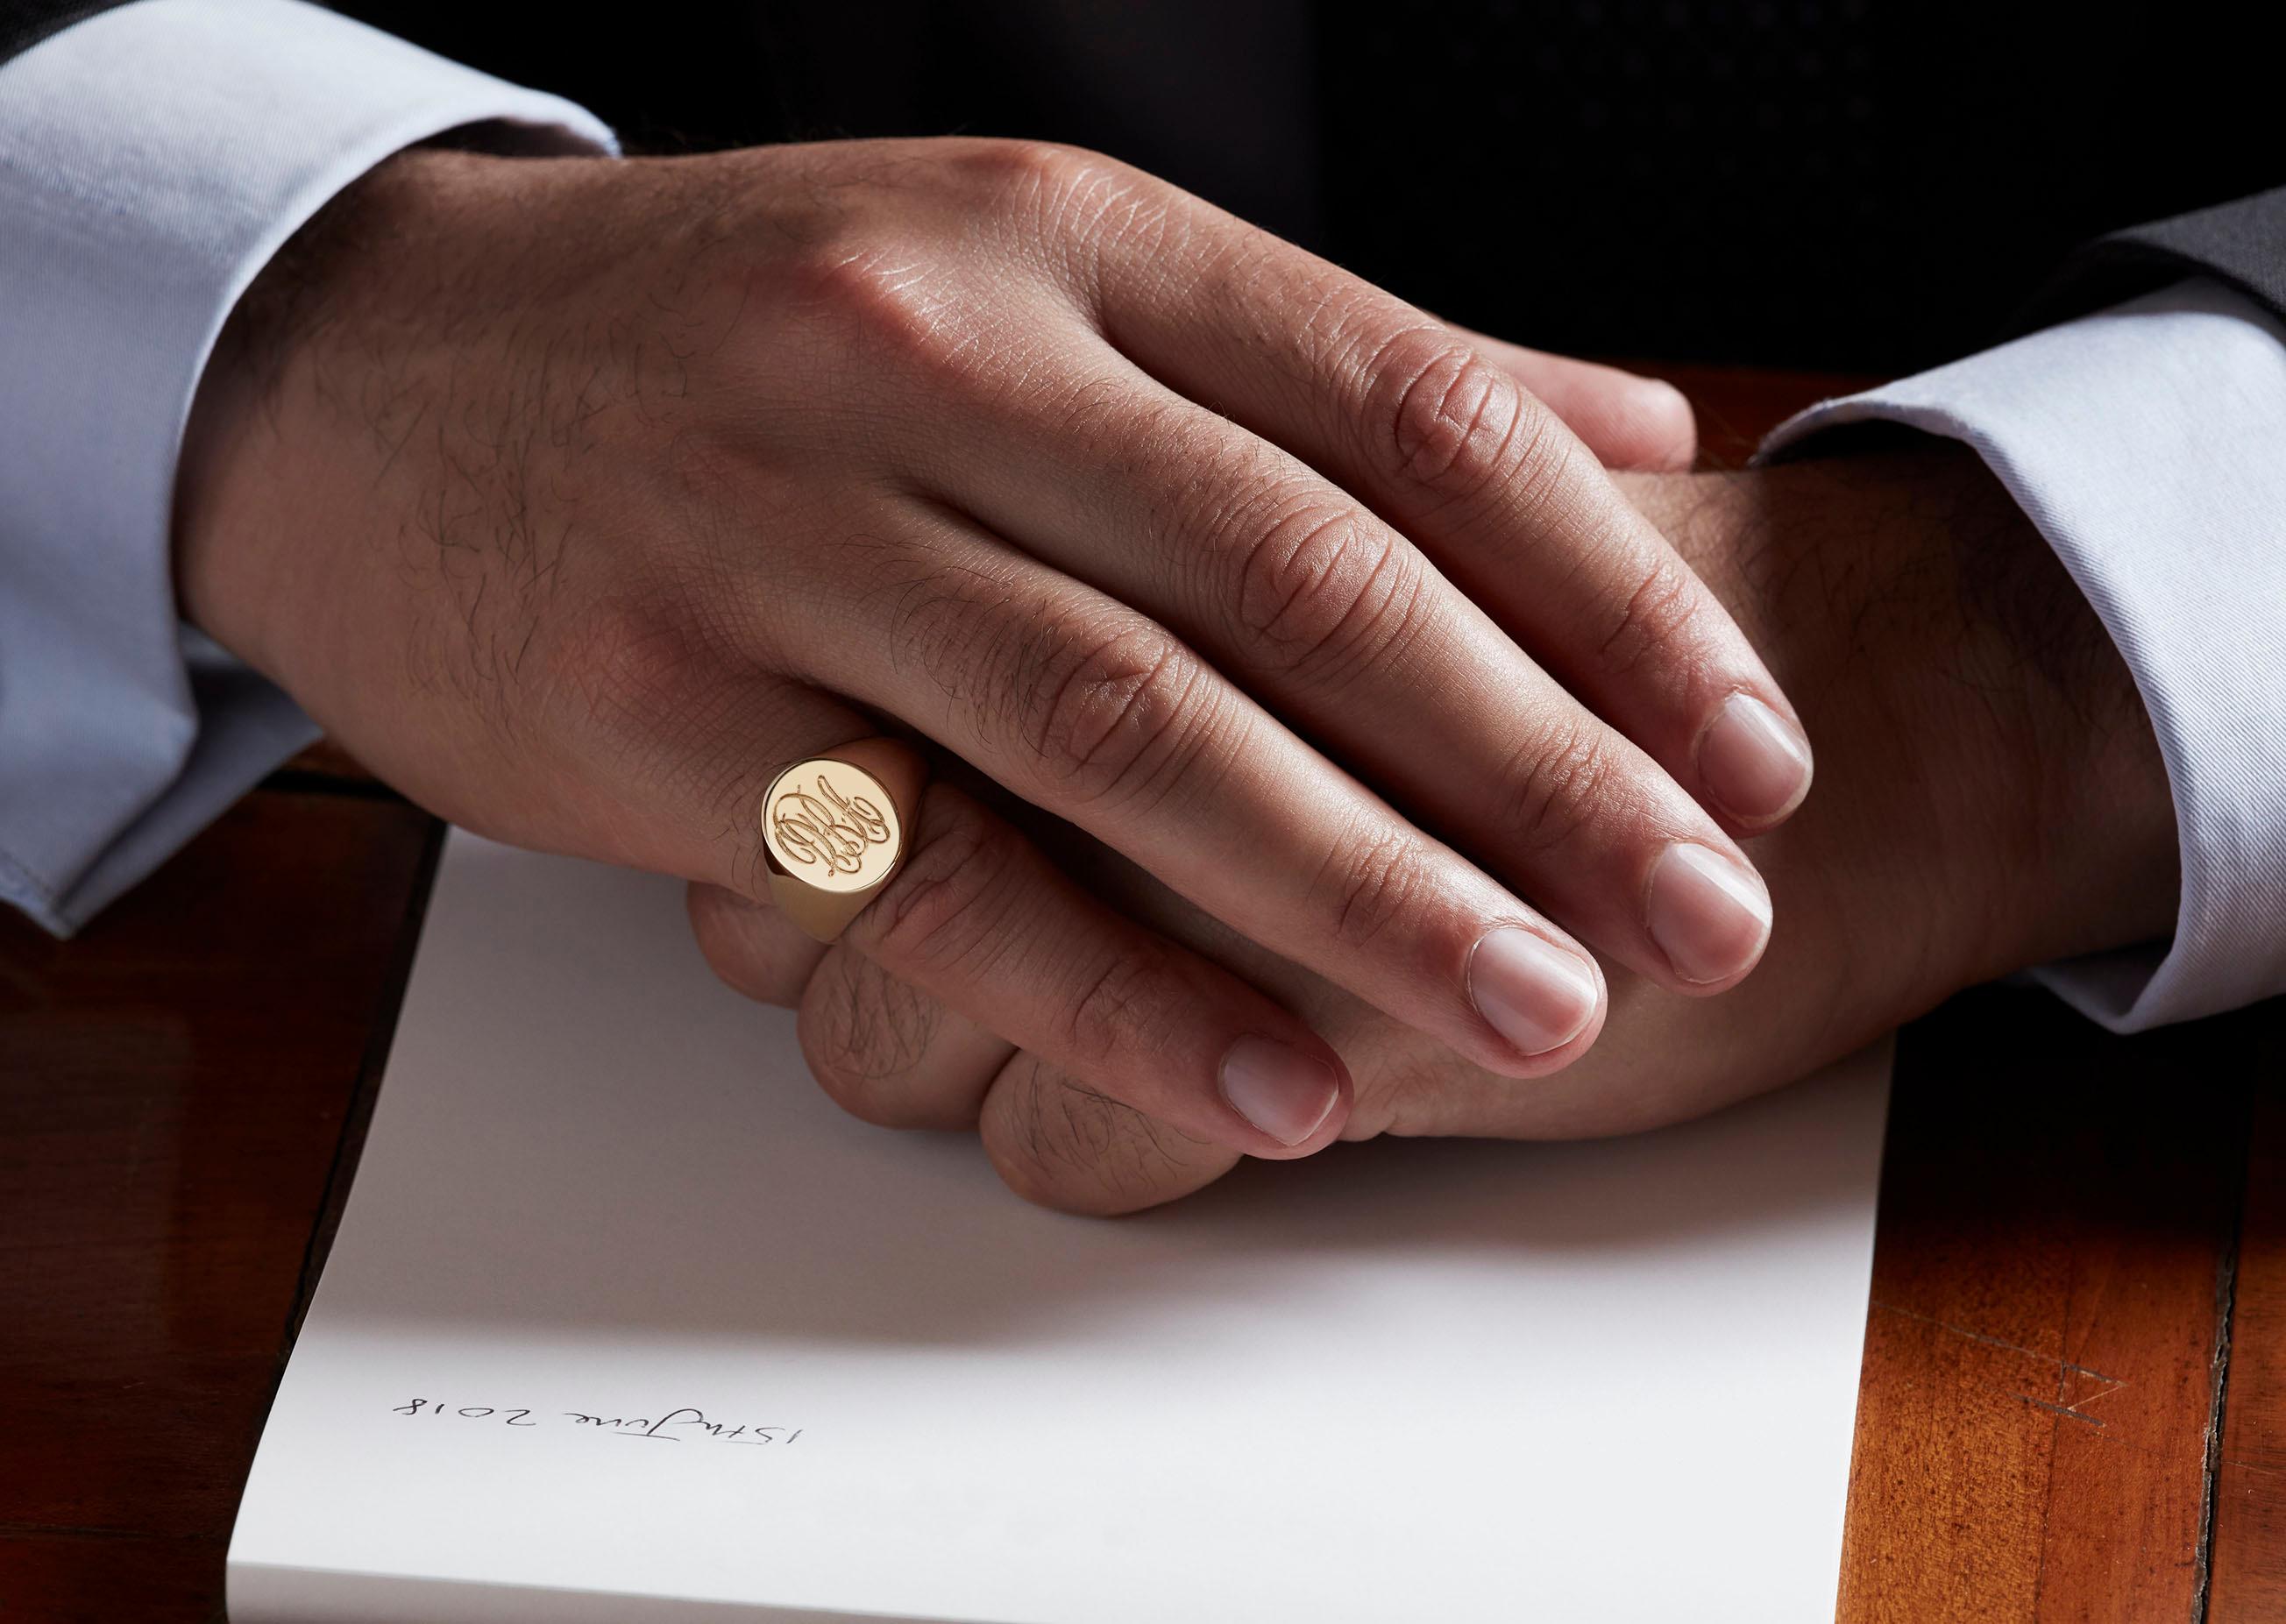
(2074, 1394)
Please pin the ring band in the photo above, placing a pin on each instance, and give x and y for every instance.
(834, 829)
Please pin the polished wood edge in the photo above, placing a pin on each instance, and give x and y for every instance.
(350, 1145)
(2245, 1545)
(2050, 1316)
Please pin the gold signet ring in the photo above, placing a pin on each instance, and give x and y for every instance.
(834, 828)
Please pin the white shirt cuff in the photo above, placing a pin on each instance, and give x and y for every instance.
(2149, 444)
(153, 159)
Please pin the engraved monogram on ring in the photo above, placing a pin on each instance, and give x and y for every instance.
(827, 826)
(832, 826)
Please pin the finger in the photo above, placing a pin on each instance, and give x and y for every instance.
(1443, 441)
(1338, 624)
(1092, 712)
(884, 1050)
(1628, 420)
(1059, 1143)
(891, 1053)
(976, 916)
(751, 946)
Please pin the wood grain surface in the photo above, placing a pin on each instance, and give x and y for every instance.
(173, 1087)
(2049, 1324)
(2249, 1487)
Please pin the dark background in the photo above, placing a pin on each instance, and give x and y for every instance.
(1827, 182)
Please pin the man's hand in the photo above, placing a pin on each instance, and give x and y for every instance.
(1990, 797)
(577, 497)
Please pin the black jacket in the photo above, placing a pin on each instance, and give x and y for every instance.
(1838, 183)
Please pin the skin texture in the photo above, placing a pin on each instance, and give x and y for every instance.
(577, 497)
(1990, 797)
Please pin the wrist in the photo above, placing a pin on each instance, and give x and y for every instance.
(248, 459)
(218, 559)
(2083, 836)
(296, 413)
(1977, 731)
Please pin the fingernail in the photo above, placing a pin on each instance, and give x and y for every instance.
(1279, 1088)
(1754, 762)
(1536, 994)
(1709, 915)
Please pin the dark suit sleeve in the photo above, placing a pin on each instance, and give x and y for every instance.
(25, 23)
(2242, 243)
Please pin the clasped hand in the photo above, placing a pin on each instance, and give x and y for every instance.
(576, 496)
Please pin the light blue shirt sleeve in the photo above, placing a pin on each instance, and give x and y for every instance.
(153, 159)
(2149, 444)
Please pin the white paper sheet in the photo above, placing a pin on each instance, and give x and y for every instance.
(1404, 1381)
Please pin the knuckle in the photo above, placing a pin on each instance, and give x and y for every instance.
(716, 929)
(1328, 595)
(1115, 715)
(876, 296)
(1656, 615)
(639, 664)
(1022, 165)
(666, 683)
(1455, 425)
(1017, 1158)
(951, 627)
(1564, 779)
(1372, 884)
(940, 910)
(1118, 1010)
(1063, 199)
(1050, 1134)
(863, 1032)
(1059, 1144)
(767, 966)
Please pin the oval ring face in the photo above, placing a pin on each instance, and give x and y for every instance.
(832, 826)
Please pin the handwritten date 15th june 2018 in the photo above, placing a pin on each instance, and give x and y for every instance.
(673, 1426)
